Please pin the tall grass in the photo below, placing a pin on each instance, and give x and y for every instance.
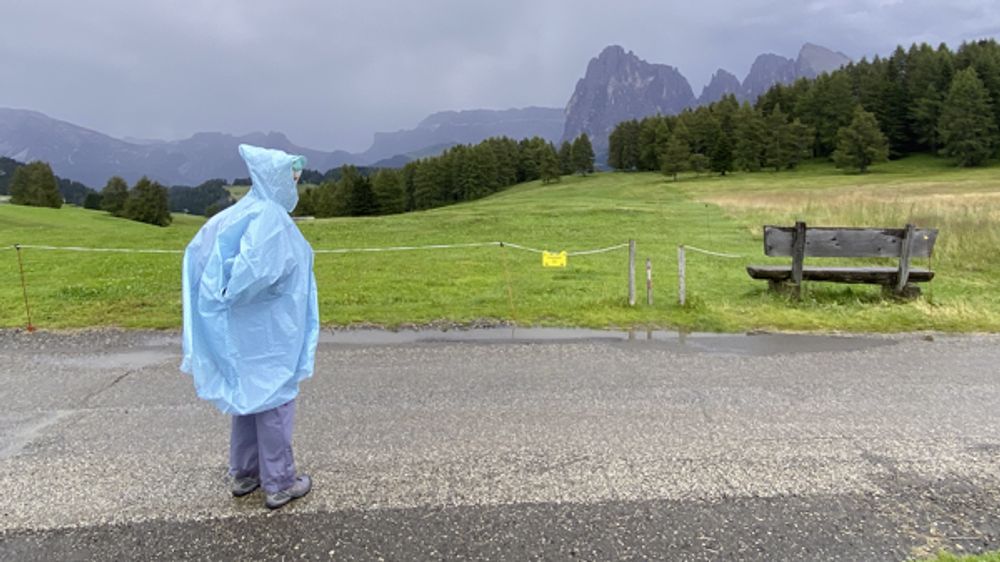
(467, 285)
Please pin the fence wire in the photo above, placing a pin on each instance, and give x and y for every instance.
(499, 244)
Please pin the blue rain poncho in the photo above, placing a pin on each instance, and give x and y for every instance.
(251, 316)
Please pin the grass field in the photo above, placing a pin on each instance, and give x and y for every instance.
(466, 285)
(948, 557)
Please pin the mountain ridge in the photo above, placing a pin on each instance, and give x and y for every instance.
(618, 86)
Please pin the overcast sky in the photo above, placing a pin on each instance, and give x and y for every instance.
(331, 73)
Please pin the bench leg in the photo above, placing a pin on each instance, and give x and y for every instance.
(909, 292)
(783, 287)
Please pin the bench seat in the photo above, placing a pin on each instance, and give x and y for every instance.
(871, 275)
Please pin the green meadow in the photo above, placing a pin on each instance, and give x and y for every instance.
(494, 284)
(948, 557)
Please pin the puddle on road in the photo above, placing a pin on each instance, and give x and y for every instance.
(147, 351)
(729, 344)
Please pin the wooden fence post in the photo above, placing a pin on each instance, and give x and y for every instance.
(681, 289)
(631, 272)
(649, 282)
(24, 287)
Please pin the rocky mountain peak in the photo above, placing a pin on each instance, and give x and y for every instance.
(618, 86)
(814, 60)
(767, 70)
(722, 84)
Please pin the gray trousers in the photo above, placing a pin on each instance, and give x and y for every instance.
(260, 446)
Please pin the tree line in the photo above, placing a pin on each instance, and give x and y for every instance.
(146, 202)
(920, 100)
(461, 173)
(35, 185)
(70, 191)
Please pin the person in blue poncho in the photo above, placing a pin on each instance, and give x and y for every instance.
(251, 323)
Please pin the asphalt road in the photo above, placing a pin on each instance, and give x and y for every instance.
(546, 446)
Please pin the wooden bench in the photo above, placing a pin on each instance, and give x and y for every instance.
(799, 241)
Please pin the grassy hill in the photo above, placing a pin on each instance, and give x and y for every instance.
(724, 214)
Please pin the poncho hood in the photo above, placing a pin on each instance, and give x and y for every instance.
(271, 174)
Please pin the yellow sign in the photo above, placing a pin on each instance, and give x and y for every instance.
(552, 259)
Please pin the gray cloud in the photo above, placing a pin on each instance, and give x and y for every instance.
(331, 73)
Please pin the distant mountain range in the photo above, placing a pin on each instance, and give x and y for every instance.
(92, 157)
(449, 128)
(617, 86)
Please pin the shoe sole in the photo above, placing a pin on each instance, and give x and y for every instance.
(248, 492)
(290, 500)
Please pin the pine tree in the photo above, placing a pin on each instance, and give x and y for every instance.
(566, 158)
(797, 143)
(114, 196)
(615, 148)
(827, 107)
(328, 200)
(527, 161)
(751, 136)
(648, 157)
(306, 207)
(929, 73)
(967, 126)
(360, 199)
(409, 186)
(984, 57)
(147, 202)
(426, 179)
(861, 144)
(631, 149)
(675, 157)
(776, 140)
(92, 201)
(489, 167)
(663, 135)
(550, 165)
(387, 185)
(699, 163)
(583, 155)
(893, 114)
(34, 184)
(703, 129)
(468, 176)
(722, 155)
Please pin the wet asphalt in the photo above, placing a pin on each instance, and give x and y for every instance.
(516, 445)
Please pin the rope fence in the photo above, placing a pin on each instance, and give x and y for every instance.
(110, 250)
(716, 254)
(682, 251)
(496, 244)
(681, 259)
(682, 266)
(500, 244)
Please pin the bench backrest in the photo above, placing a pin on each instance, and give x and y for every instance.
(846, 242)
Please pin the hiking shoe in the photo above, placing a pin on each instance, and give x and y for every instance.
(300, 488)
(245, 485)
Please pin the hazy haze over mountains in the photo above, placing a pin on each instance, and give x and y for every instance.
(92, 157)
(467, 127)
(330, 74)
(618, 85)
